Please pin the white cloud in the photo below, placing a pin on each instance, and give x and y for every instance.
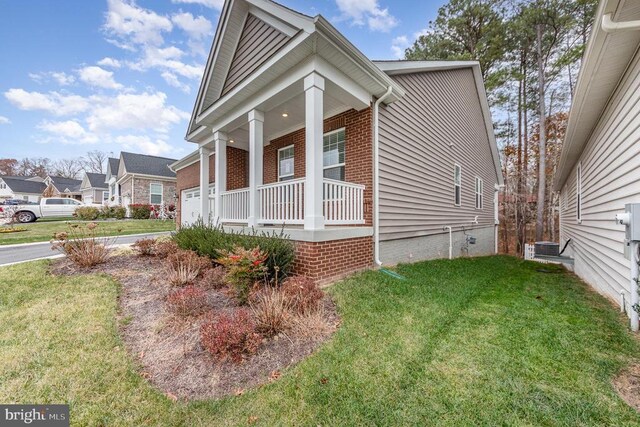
(214, 4)
(63, 79)
(172, 80)
(196, 28)
(67, 132)
(98, 77)
(135, 111)
(110, 62)
(52, 102)
(4, 120)
(398, 46)
(144, 144)
(130, 23)
(368, 12)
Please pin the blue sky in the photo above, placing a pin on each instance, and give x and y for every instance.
(116, 75)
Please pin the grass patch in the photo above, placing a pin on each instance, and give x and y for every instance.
(42, 231)
(485, 341)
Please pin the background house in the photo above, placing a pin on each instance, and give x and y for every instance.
(58, 186)
(288, 137)
(599, 168)
(111, 178)
(94, 188)
(21, 187)
(143, 179)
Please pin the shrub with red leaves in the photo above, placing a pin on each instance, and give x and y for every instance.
(188, 301)
(230, 336)
(303, 294)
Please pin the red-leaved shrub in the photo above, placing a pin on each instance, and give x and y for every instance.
(188, 301)
(230, 336)
(302, 293)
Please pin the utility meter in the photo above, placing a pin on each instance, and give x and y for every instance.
(631, 219)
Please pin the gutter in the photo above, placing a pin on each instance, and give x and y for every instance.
(376, 175)
(609, 26)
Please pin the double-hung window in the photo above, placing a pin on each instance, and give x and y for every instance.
(333, 153)
(155, 193)
(286, 163)
(479, 190)
(579, 193)
(457, 185)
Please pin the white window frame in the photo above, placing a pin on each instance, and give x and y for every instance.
(292, 174)
(336, 165)
(105, 196)
(479, 193)
(457, 186)
(579, 193)
(151, 194)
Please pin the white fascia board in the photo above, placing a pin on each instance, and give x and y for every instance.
(408, 67)
(331, 73)
(197, 134)
(282, 13)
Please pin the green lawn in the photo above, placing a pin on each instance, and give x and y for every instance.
(42, 231)
(486, 341)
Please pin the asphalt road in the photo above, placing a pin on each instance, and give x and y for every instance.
(12, 254)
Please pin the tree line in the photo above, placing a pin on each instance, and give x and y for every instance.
(92, 162)
(530, 52)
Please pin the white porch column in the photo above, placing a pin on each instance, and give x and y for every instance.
(204, 184)
(256, 147)
(314, 92)
(220, 139)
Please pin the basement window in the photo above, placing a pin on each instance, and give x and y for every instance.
(457, 184)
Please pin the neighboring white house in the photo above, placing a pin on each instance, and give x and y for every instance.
(111, 178)
(599, 169)
(21, 187)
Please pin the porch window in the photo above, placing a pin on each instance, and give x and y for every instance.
(479, 190)
(457, 184)
(155, 193)
(105, 196)
(333, 155)
(285, 163)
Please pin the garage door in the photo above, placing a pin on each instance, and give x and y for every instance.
(190, 206)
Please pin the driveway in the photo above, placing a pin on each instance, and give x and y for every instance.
(13, 254)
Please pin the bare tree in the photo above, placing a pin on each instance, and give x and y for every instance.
(95, 161)
(67, 168)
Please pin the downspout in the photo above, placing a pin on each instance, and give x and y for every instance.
(609, 26)
(376, 177)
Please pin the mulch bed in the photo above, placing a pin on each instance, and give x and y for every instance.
(168, 348)
(627, 385)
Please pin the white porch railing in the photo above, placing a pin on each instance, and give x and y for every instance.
(343, 202)
(282, 202)
(235, 206)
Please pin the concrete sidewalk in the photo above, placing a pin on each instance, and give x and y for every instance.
(14, 254)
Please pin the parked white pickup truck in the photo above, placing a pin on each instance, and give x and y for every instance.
(48, 207)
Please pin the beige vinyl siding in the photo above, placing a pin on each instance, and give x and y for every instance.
(610, 179)
(438, 124)
(258, 42)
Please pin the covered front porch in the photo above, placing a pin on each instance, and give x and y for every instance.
(307, 145)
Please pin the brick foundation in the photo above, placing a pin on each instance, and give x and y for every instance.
(326, 262)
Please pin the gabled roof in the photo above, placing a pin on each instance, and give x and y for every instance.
(94, 180)
(147, 165)
(408, 67)
(65, 184)
(112, 166)
(604, 64)
(22, 185)
(291, 38)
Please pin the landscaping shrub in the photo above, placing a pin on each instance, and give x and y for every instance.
(87, 213)
(140, 211)
(183, 267)
(214, 278)
(230, 336)
(117, 212)
(164, 247)
(145, 247)
(244, 268)
(187, 301)
(214, 241)
(312, 324)
(302, 293)
(82, 245)
(271, 311)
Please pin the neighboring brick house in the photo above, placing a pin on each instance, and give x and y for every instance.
(361, 162)
(143, 179)
(94, 188)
